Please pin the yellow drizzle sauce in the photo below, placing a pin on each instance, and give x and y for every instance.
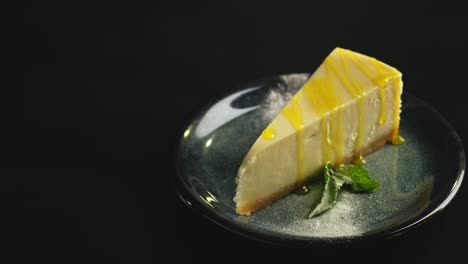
(325, 97)
(293, 113)
(381, 81)
(356, 91)
(269, 132)
(360, 160)
(326, 149)
(396, 138)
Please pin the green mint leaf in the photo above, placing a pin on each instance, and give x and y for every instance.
(357, 176)
(330, 192)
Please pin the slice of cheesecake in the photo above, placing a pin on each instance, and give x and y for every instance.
(348, 108)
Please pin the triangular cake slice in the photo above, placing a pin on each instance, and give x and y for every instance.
(348, 108)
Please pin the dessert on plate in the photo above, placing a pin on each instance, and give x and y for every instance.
(348, 108)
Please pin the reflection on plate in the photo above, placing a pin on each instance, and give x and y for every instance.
(418, 178)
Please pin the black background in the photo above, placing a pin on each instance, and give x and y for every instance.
(95, 98)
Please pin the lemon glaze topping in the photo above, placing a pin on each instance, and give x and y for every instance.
(396, 138)
(357, 92)
(354, 89)
(325, 97)
(269, 132)
(383, 77)
(294, 115)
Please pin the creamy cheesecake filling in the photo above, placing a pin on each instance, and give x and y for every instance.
(337, 103)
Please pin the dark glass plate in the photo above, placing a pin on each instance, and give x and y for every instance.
(418, 178)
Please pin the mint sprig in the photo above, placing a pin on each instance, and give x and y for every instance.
(357, 176)
(354, 175)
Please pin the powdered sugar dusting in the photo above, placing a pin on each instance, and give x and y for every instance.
(274, 102)
(279, 95)
(340, 221)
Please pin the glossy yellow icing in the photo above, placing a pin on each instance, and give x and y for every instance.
(269, 132)
(323, 94)
(396, 138)
(293, 113)
(355, 89)
(379, 79)
(326, 148)
(360, 160)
